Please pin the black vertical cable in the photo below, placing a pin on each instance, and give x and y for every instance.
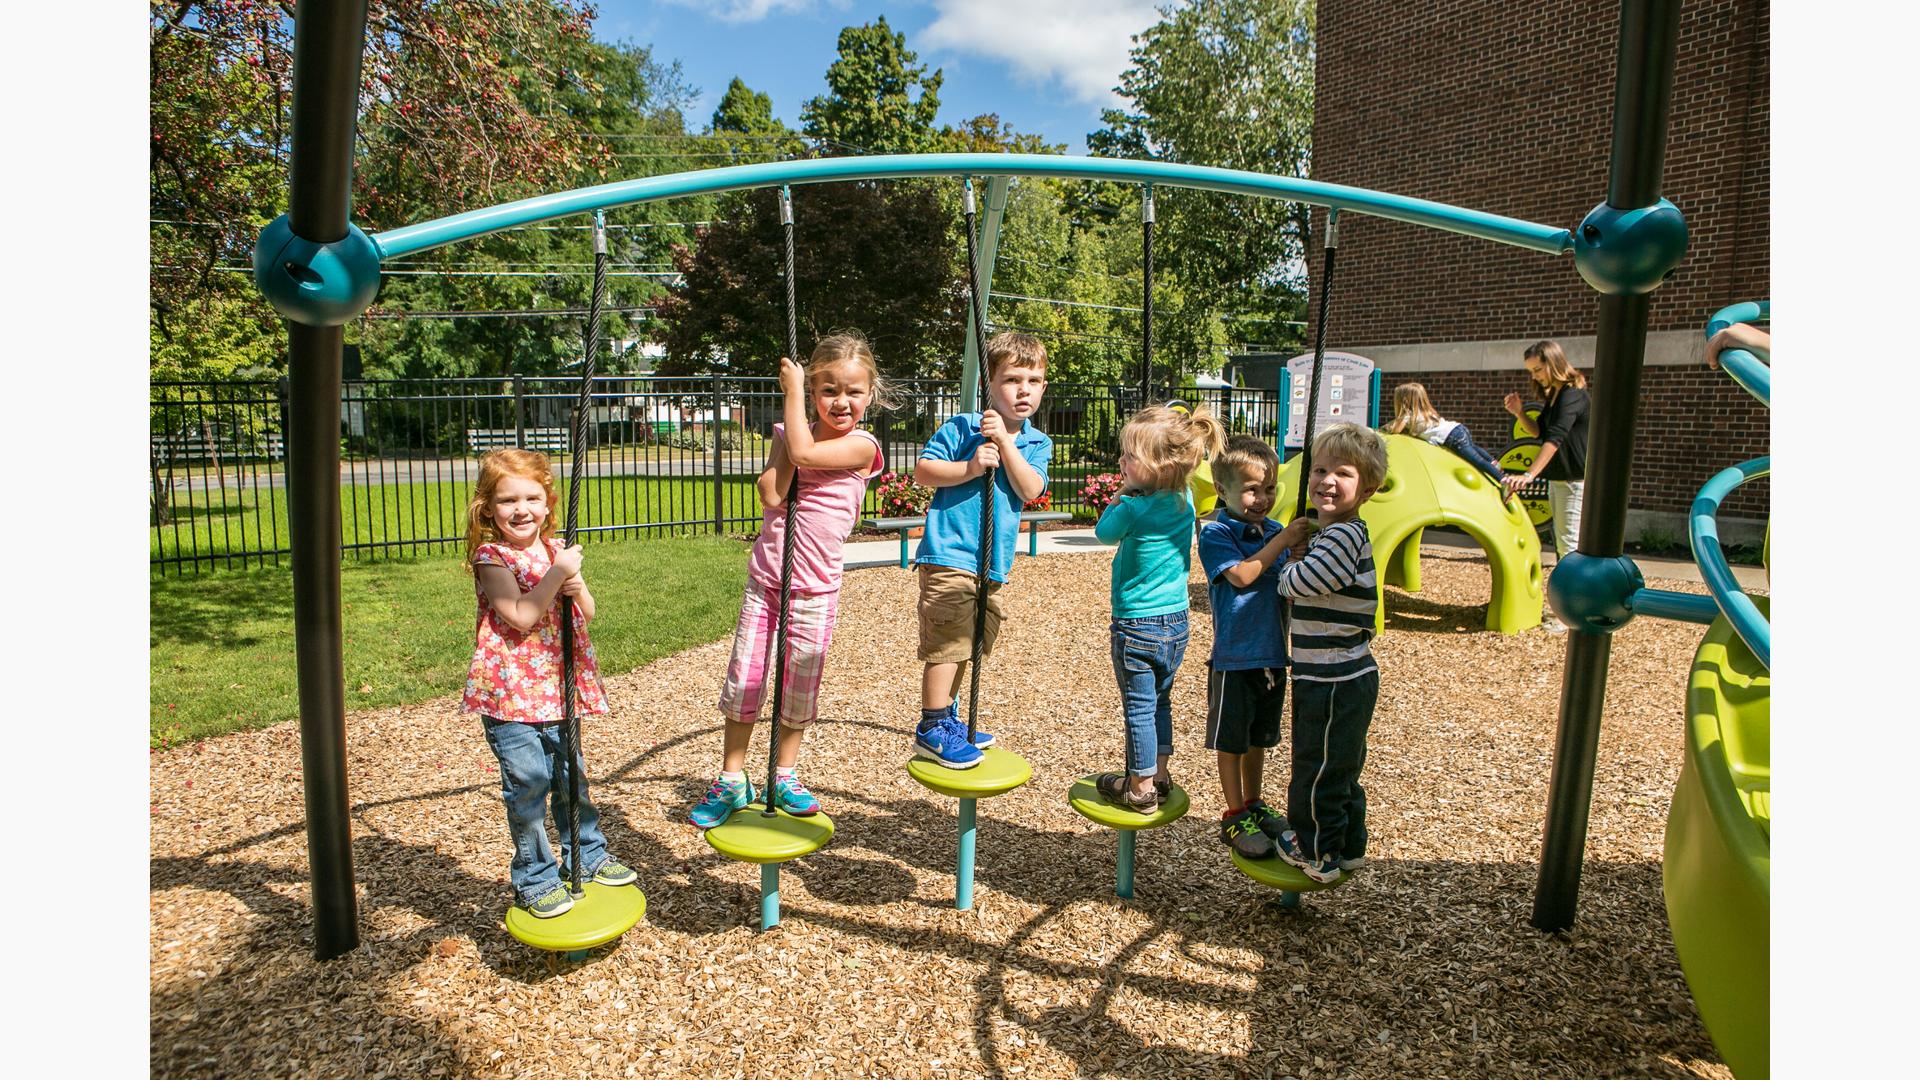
(987, 500)
(582, 409)
(1146, 295)
(1319, 353)
(779, 672)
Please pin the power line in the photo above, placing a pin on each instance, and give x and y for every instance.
(524, 313)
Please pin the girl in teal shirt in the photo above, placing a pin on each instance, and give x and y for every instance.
(1152, 522)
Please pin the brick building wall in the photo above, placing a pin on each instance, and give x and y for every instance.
(1508, 108)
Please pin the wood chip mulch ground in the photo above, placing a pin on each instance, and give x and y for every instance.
(1425, 965)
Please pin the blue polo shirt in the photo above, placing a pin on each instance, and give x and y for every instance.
(953, 519)
(1248, 627)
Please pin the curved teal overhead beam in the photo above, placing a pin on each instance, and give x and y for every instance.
(410, 239)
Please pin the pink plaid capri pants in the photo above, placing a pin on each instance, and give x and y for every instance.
(810, 622)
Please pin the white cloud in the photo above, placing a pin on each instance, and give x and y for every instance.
(1080, 44)
(746, 11)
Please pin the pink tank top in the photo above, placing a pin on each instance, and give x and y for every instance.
(829, 505)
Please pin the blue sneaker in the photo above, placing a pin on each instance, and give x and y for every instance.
(980, 738)
(1325, 870)
(946, 743)
(791, 795)
(721, 800)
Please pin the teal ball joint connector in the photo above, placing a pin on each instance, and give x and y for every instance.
(316, 284)
(1630, 252)
(1592, 593)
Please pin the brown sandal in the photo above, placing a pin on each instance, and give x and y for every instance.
(1115, 788)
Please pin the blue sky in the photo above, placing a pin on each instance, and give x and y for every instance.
(1046, 66)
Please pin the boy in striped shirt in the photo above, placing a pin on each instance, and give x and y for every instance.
(1335, 681)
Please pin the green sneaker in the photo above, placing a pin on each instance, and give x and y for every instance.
(614, 872)
(555, 901)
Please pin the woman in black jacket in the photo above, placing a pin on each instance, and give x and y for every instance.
(1562, 430)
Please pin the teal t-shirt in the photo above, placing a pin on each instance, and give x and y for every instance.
(1155, 534)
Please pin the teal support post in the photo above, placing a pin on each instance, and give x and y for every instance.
(1033, 538)
(997, 187)
(963, 877)
(903, 549)
(1123, 866)
(769, 895)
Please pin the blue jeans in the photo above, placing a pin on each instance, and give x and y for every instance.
(1460, 441)
(1146, 653)
(528, 754)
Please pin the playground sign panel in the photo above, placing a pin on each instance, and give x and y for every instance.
(1347, 386)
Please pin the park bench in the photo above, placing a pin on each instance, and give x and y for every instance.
(547, 440)
(180, 448)
(1031, 519)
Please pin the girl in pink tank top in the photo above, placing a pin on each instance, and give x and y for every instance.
(834, 459)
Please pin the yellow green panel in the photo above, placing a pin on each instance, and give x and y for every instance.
(602, 914)
(1716, 870)
(1085, 799)
(751, 836)
(1277, 873)
(999, 772)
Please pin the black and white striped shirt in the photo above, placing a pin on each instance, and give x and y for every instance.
(1334, 597)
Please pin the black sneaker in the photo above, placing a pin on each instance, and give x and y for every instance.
(1242, 833)
(1271, 821)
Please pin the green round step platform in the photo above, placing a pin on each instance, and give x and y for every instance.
(999, 772)
(601, 914)
(1277, 873)
(1086, 800)
(751, 836)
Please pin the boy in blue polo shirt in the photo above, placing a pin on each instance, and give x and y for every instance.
(1241, 553)
(1002, 438)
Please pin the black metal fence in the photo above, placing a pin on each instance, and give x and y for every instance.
(665, 455)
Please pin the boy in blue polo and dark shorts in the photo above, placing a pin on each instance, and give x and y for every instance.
(1001, 437)
(1241, 553)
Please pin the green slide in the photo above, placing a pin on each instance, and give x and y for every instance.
(1717, 855)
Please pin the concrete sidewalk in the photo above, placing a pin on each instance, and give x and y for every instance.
(866, 553)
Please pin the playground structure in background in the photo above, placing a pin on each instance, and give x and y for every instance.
(1428, 485)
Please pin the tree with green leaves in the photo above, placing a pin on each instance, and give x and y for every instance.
(879, 100)
(1226, 83)
(457, 108)
(872, 257)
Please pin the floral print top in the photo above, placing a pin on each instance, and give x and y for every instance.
(516, 675)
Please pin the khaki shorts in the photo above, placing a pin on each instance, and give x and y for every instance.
(947, 603)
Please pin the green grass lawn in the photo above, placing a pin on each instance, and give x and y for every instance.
(222, 652)
(217, 522)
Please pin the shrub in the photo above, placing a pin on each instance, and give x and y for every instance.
(900, 496)
(1100, 490)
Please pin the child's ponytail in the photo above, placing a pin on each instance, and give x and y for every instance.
(1169, 443)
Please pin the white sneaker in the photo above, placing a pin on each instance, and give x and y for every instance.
(1553, 625)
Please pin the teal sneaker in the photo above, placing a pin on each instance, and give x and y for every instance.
(614, 872)
(555, 901)
(790, 794)
(721, 800)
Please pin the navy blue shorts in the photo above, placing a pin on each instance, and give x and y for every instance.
(1244, 708)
